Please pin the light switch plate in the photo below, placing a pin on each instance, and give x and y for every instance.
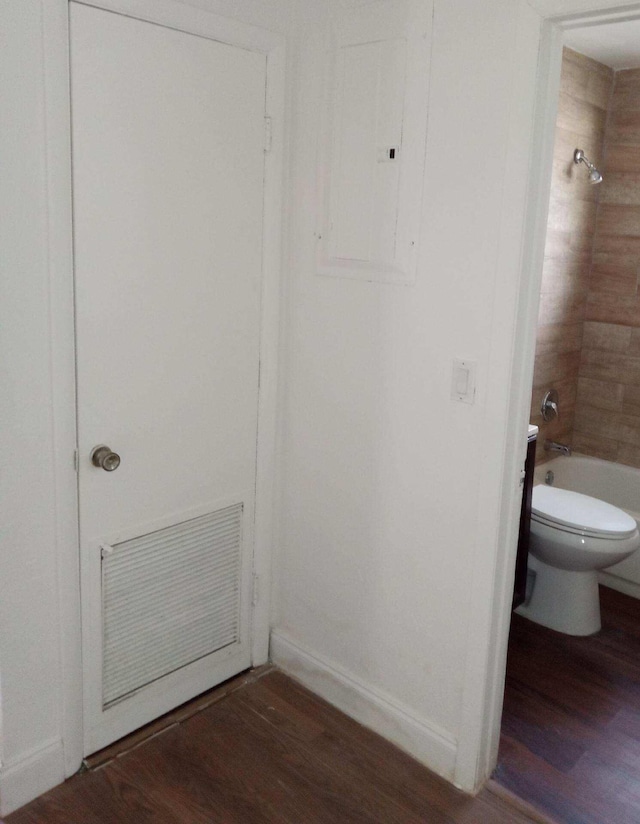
(463, 380)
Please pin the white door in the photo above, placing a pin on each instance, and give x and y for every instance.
(168, 164)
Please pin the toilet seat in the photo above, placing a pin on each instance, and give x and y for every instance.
(580, 514)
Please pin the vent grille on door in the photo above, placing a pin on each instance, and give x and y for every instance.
(169, 598)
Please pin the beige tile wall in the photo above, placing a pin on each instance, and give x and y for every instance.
(607, 420)
(585, 90)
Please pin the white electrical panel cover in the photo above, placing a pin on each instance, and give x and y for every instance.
(373, 148)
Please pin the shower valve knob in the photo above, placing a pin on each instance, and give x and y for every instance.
(549, 406)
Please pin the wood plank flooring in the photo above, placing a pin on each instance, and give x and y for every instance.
(269, 751)
(570, 740)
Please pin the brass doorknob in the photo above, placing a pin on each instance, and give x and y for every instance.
(104, 458)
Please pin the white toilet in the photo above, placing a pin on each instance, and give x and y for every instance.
(572, 536)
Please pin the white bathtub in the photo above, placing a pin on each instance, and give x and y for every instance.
(618, 485)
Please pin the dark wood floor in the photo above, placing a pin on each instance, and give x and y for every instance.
(571, 723)
(267, 752)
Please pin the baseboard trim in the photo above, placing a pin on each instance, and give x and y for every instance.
(429, 744)
(524, 807)
(620, 584)
(31, 775)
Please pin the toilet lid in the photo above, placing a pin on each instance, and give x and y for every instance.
(573, 511)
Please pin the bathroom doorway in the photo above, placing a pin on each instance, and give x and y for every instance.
(571, 719)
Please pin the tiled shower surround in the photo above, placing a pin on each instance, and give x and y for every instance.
(588, 344)
(607, 422)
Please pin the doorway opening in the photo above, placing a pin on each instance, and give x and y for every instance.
(568, 741)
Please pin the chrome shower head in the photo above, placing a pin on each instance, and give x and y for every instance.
(594, 174)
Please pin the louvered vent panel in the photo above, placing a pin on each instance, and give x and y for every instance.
(169, 598)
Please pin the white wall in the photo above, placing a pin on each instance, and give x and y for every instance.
(392, 490)
(29, 653)
(391, 522)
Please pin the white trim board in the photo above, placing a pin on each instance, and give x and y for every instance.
(175, 14)
(63, 384)
(368, 705)
(272, 258)
(30, 776)
(564, 11)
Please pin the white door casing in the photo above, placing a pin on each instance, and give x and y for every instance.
(478, 748)
(168, 355)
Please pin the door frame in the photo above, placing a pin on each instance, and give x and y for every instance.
(177, 15)
(485, 664)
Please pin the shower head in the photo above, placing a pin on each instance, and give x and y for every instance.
(594, 174)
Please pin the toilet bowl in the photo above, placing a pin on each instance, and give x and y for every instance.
(573, 536)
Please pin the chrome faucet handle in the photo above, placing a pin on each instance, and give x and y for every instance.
(549, 406)
(554, 446)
